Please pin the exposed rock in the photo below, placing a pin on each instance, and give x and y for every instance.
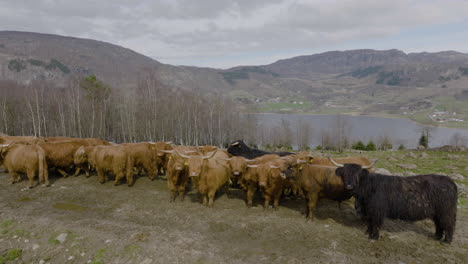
(383, 171)
(412, 155)
(62, 238)
(35, 246)
(392, 159)
(450, 167)
(462, 190)
(147, 261)
(456, 176)
(421, 147)
(424, 155)
(408, 166)
(453, 156)
(449, 148)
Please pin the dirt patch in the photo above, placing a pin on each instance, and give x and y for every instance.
(119, 224)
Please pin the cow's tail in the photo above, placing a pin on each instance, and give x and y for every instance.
(129, 169)
(43, 172)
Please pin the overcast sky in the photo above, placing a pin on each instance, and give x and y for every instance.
(225, 33)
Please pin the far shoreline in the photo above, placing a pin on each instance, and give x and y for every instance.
(361, 114)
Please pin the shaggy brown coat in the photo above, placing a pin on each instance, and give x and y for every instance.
(28, 159)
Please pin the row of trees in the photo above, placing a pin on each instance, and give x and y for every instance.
(87, 107)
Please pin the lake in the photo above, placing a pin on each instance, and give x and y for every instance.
(400, 131)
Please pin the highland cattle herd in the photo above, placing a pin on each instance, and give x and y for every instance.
(210, 170)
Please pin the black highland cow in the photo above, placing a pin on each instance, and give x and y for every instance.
(409, 198)
(239, 148)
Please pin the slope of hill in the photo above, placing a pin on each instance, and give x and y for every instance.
(363, 81)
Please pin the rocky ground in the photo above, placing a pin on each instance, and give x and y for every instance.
(78, 220)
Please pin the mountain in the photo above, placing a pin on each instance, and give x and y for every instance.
(360, 80)
(28, 56)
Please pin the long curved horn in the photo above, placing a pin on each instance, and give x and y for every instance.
(209, 157)
(235, 143)
(168, 142)
(370, 166)
(167, 151)
(301, 161)
(252, 166)
(190, 151)
(182, 155)
(248, 160)
(334, 163)
(274, 167)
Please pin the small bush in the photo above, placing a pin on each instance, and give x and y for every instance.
(16, 65)
(401, 147)
(370, 146)
(359, 146)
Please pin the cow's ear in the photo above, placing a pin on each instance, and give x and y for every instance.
(339, 172)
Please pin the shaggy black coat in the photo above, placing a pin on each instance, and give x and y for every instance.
(407, 198)
(239, 148)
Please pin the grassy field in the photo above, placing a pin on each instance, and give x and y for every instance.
(78, 220)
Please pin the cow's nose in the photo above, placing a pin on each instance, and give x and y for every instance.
(236, 173)
(349, 187)
(194, 174)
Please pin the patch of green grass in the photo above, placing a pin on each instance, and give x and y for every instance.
(7, 223)
(53, 241)
(21, 233)
(70, 207)
(282, 106)
(131, 250)
(13, 254)
(25, 199)
(99, 257)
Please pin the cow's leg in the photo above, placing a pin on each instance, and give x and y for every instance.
(172, 189)
(77, 171)
(64, 174)
(267, 201)
(101, 175)
(204, 199)
(129, 177)
(250, 194)
(13, 177)
(151, 170)
(374, 223)
(182, 192)
(118, 176)
(86, 169)
(449, 233)
(447, 223)
(31, 174)
(439, 230)
(311, 203)
(276, 199)
(211, 196)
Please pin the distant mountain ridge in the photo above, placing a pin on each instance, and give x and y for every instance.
(28, 56)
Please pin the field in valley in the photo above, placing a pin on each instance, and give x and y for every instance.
(78, 220)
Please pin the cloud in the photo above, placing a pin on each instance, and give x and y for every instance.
(214, 31)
